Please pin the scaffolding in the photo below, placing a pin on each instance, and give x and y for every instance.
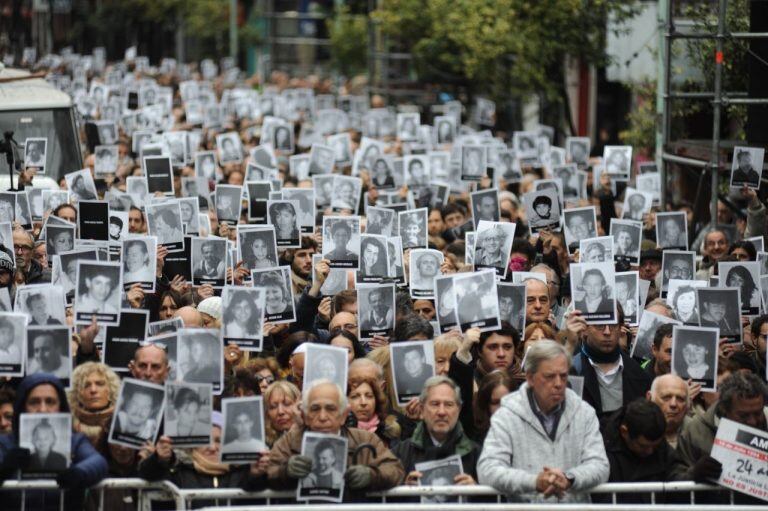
(718, 97)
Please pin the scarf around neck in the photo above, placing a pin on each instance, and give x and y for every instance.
(370, 425)
(598, 357)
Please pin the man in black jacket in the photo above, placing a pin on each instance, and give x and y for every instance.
(611, 377)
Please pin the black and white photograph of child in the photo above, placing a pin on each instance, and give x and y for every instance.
(695, 354)
(257, 247)
(188, 408)
(98, 292)
(139, 412)
(542, 209)
(243, 317)
(48, 438)
(747, 167)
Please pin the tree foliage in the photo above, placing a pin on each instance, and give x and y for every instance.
(349, 41)
(500, 47)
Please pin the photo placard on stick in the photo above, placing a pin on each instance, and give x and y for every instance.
(243, 317)
(592, 289)
(279, 306)
(188, 407)
(413, 363)
(376, 306)
(694, 355)
(243, 436)
(139, 411)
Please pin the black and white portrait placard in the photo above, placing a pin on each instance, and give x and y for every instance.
(190, 215)
(243, 438)
(283, 216)
(341, 143)
(36, 204)
(346, 194)
(764, 291)
(325, 482)
(637, 204)
(53, 199)
(580, 224)
(106, 157)
(59, 238)
(164, 326)
(676, 264)
(474, 162)
(35, 151)
(672, 230)
(380, 221)
(395, 253)
(407, 126)
(744, 275)
(187, 419)
(278, 294)
(681, 296)
(445, 303)
(485, 206)
(413, 363)
(227, 199)
(93, 220)
(445, 129)
(282, 138)
(439, 473)
(627, 236)
(719, 308)
(121, 341)
(81, 186)
(592, 290)
(209, 261)
(44, 304)
(258, 194)
(542, 208)
(493, 243)
(48, 437)
(512, 304)
(628, 296)
(694, 355)
(13, 337)
(650, 183)
(412, 227)
(374, 259)
(298, 165)
(747, 166)
(200, 357)
(230, 148)
(324, 362)
(321, 159)
(98, 292)
(424, 267)
(596, 250)
(205, 165)
(417, 171)
(341, 241)
(256, 246)
(569, 181)
(759, 243)
(139, 412)
(323, 186)
(376, 310)
(305, 207)
(49, 351)
(646, 331)
(382, 173)
(335, 281)
(164, 222)
(617, 160)
(243, 317)
(477, 300)
(159, 173)
(577, 150)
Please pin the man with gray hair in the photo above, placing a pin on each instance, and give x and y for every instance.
(439, 434)
(324, 410)
(670, 393)
(544, 444)
(742, 400)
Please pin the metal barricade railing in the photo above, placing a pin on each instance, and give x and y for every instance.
(223, 498)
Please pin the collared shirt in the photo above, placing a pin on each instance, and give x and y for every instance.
(608, 376)
(549, 421)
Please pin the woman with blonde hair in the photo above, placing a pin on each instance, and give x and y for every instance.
(445, 346)
(281, 409)
(92, 399)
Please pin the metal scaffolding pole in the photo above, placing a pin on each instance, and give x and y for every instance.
(717, 104)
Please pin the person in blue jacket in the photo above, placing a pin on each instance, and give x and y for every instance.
(44, 393)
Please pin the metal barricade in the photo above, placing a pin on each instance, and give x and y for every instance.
(223, 498)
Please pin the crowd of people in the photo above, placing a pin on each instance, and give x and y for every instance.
(502, 356)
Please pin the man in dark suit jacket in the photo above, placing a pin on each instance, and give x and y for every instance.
(611, 377)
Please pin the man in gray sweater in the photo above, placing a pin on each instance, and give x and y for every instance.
(544, 444)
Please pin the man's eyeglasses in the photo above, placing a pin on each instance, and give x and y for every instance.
(23, 248)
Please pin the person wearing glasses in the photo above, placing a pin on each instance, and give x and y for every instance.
(611, 377)
(28, 271)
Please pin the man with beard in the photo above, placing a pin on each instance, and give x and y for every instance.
(28, 270)
(301, 264)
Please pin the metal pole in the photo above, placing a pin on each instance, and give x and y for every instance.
(233, 30)
(716, 110)
(662, 93)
